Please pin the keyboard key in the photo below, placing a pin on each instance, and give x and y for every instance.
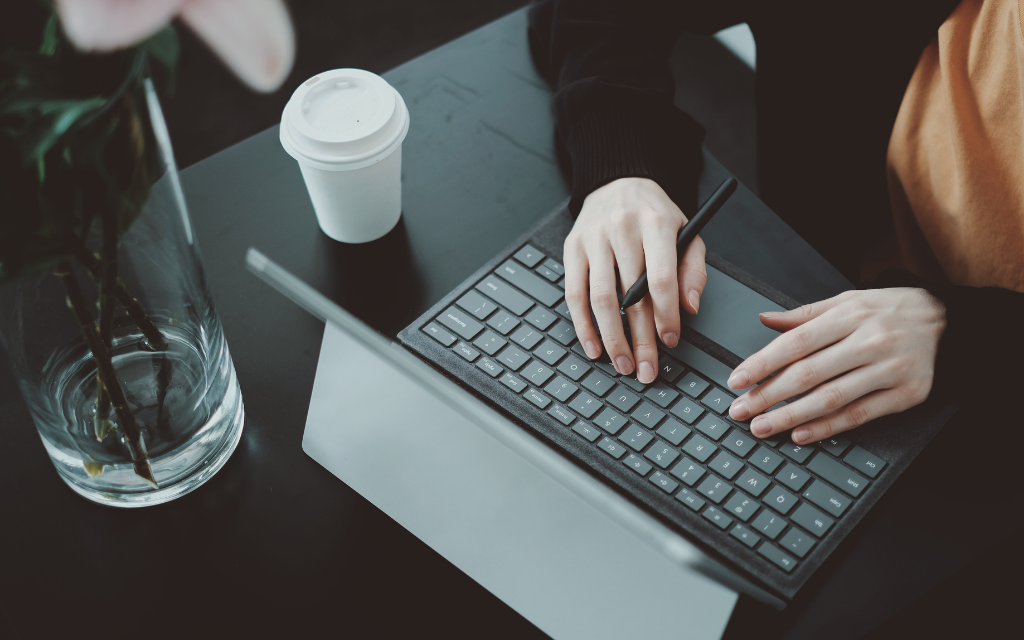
(780, 500)
(437, 333)
(714, 515)
(836, 446)
(633, 384)
(793, 477)
(563, 310)
(739, 443)
(717, 400)
(663, 482)
(573, 368)
(692, 384)
(504, 295)
(610, 421)
(550, 275)
(549, 352)
(527, 337)
(530, 283)
(561, 284)
(622, 398)
(561, 414)
(797, 542)
(745, 535)
(612, 448)
(713, 426)
(673, 431)
(775, 440)
(554, 266)
(687, 410)
(537, 398)
(585, 404)
(476, 304)
(813, 520)
(766, 460)
(699, 448)
(827, 498)
(540, 318)
(461, 323)
(636, 438)
(489, 342)
(661, 394)
(688, 471)
(638, 464)
(489, 367)
(779, 557)
(648, 415)
(513, 382)
(561, 389)
(714, 488)
(752, 482)
(585, 430)
(661, 454)
(563, 333)
(598, 383)
(769, 524)
(529, 256)
(512, 357)
(839, 475)
(467, 352)
(726, 465)
(669, 370)
(537, 373)
(503, 322)
(741, 506)
(691, 499)
(600, 363)
(868, 463)
(795, 452)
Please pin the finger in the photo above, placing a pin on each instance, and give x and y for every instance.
(786, 320)
(630, 257)
(826, 329)
(606, 307)
(800, 376)
(660, 255)
(576, 297)
(826, 399)
(874, 405)
(693, 275)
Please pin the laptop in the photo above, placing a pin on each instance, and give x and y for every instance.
(664, 461)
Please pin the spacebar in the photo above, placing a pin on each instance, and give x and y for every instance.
(702, 362)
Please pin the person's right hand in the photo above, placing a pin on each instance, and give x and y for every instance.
(632, 224)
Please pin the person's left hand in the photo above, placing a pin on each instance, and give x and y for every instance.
(869, 353)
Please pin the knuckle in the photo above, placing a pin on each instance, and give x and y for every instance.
(804, 373)
(603, 297)
(832, 397)
(799, 340)
(827, 430)
(762, 396)
(575, 295)
(621, 220)
(856, 415)
(661, 280)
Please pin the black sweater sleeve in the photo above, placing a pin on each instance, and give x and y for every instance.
(608, 62)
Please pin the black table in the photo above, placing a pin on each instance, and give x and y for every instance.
(274, 544)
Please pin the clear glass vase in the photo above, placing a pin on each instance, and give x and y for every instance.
(182, 392)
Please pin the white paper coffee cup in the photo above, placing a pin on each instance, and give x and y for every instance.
(345, 128)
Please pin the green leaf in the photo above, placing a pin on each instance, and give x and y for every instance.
(55, 119)
(163, 45)
(50, 37)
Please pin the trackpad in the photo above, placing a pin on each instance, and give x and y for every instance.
(728, 315)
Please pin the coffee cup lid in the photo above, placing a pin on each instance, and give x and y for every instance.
(343, 119)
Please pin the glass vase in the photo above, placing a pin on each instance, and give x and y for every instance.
(167, 350)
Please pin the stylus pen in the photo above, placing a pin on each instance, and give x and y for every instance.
(686, 235)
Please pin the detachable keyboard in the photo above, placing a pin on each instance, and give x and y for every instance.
(771, 508)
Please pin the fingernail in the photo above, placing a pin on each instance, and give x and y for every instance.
(739, 410)
(670, 339)
(739, 380)
(770, 315)
(646, 373)
(694, 299)
(761, 425)
(591, 349)
(623, 365)
(801, 436)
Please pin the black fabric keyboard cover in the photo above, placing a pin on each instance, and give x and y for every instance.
(897, 439)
